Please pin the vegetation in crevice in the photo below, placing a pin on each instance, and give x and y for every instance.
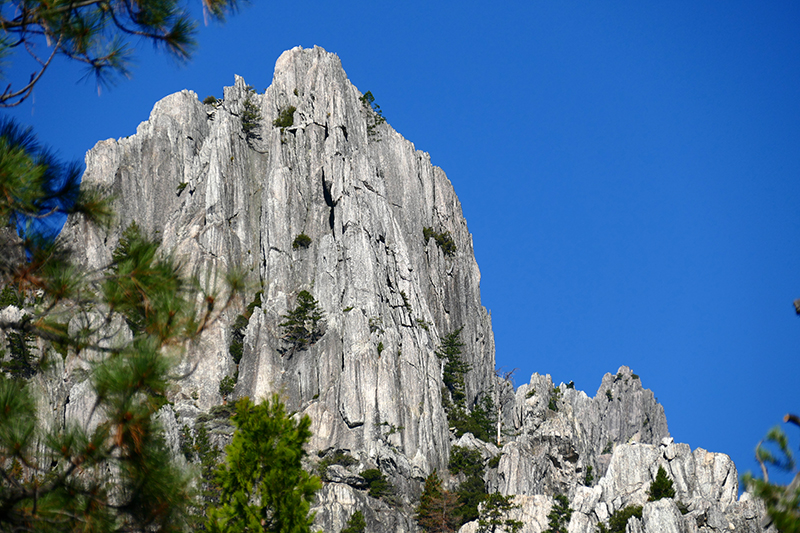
(443, 240)
(355, 524)
(251, 116)
(338, 457)
(494, 514)
(661, 487)
(555, 398)
(236, 347)
(480, 419)
(374, 115)
(559, 516)
(588, 479)
(285, 118)
(378, 485)
(301, 241)
(302, 326)
(619, 519)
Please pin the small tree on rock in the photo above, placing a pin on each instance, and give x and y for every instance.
(355, 524)
(437, 507)
(560, 514)
(302, 325)
(493, 515)
(661, 487)
(264, 486)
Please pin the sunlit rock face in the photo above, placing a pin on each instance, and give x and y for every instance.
(224, 189)
(219, 199)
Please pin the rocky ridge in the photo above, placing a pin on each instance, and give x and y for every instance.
(223, 189)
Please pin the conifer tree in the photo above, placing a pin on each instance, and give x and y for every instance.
(355, 524)
(437, 511)
(95, 33)
(301, 325)
(493, 515)
(661, 487)
(129, 322)
(113, 472)
(782, 501)
(559, 516)
(263, 484)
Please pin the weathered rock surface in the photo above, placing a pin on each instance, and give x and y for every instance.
(219, 197)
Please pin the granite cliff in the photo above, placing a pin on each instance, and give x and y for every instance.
(307, 189)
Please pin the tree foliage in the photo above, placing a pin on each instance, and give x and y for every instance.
(123, 325)
(444, 240)
(302, 326)
(472, 491)
(437, 511)
(559, 516)
(251, 116)
(661, 487)
(782, 501)
(494, 515)
(114, 471)
(454, 367)
(355, 524)
(618, 520)
(95, 33)
(263, 484)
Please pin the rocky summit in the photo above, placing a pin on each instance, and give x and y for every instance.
(337, 218)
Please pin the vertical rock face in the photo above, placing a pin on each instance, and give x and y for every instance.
(220, 198)
(225, 188)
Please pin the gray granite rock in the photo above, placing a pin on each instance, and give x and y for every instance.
(220, 198)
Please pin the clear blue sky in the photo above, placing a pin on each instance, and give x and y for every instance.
(629, 174)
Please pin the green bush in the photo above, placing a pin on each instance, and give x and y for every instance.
(236, 347)
(555, 397)
(301, 241)
(494, 514)
(619, 519)
(339, 457)
(302, 325)
(443, 240)
(465, 460)
(226, 385)
(470, 495)
(609, 395)
(210, 100)
(480, 421)
(375, 115)
(454, 368)
(356, 522)
(661, 487)
(379, 486)
(589, 477)
(560, 514)
(285, 117)
(251, 117)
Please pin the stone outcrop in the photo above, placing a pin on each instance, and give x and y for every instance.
(223, 188)
(221, 198)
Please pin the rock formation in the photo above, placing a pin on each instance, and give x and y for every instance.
(308, 190)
